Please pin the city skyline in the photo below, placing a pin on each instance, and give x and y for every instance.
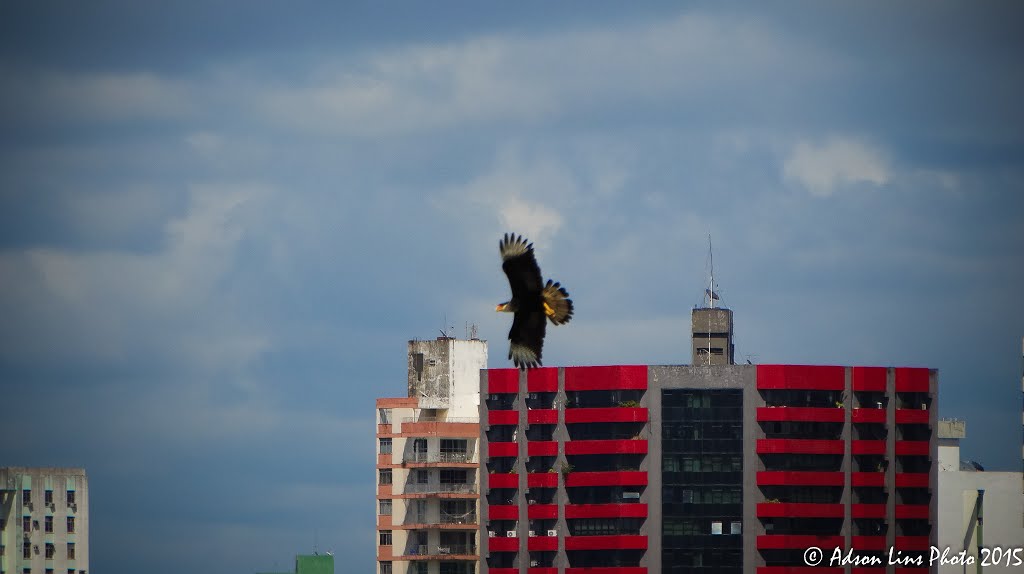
(219, 227)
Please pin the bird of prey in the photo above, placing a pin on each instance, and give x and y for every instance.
(533, 302)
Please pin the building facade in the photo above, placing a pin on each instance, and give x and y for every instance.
(428, 462)
(713, 467)
(44, 520)
(977, 508)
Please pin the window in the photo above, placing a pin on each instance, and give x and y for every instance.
(26, 523)
(71, 498)
(26, 550)
(422, 477)
(71, 524)
(50, 550)
(385, 507)
(385, 446)
(71, 550)
(418, 568)
(385, 568)
(48, 524)
(49, 571)
(737, 528)
(385, 538)
(26, 497)
(385, 476)
(48, 497)
(385, 416)
(453, 477)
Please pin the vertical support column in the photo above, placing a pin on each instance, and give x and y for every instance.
(890, 453)
(561, 435)
(847, 467)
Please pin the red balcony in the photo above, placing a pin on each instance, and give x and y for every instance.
(540, 570)
(802, 377)
(542, 448)
(798, 509)
(499, 449)
(912, 543)
(607, 570)
(633, 510)
(502, 480)
(503, 570)
(868, 479)
(542, 417)
(867, 511)
(799, 446)
(542, 480)
(799, 541)
(544, 380)
(912, 416)
(502, 381)
(912, 447)
(868, 447)
(626, 446)
(868, 542)
(542, 511)
(608, 478)
(825, 415)
(606, 378)
(910, 380)
(912, 511)
(869, 415)
(503, 512)
(503, 545)
(912, 480)
(799, 478)
(502, 417)
(869, 379)
(610, 542)
(606, 415)
(542, 544)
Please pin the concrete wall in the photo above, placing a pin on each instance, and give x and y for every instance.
(1002, 510)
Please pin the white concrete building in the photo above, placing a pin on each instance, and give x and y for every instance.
(428, 462)
(44, 520)
(961, 484)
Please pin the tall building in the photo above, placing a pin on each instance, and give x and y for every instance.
(428, 462)
(977, 508)
(44, 520)
(707, 468)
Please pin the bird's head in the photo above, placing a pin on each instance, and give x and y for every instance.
(505, 307)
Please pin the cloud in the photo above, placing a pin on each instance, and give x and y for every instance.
(838, 161)
(108, 305)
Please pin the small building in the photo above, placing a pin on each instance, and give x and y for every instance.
(44, 520)
(311, 564)
(976, 507)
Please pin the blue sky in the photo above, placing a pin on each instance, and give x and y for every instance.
(220, 224)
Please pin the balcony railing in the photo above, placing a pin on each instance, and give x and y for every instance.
(442, 550)
(440, 488)
(444, 457)
(444, 518)
(473, 420)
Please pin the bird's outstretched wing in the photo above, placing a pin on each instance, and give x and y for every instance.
(520, 266)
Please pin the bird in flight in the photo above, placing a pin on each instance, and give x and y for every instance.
(533, 302)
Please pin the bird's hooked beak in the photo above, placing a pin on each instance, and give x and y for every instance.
(501, 307)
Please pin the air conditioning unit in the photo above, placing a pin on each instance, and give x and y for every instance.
(630, 495)
(552, 533)
(534, 563)
(533, 533)
(510, 534)
(531, 501)
(492, 534)
(532, 396)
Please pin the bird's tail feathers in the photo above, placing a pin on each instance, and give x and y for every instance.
(559, 303)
